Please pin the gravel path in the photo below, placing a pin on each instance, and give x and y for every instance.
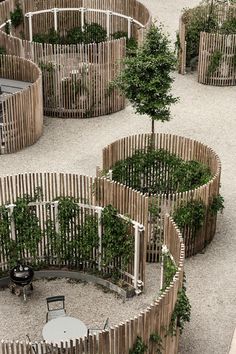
(91, 303)
(204, 113)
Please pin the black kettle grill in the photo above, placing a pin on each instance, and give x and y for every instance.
(21, 277)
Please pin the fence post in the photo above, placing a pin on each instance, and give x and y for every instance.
(82, 9)
(130, 20)
(137, 284)
(109, 175)
(9, 21)
(162, 266)
(109, 13)
(99, 212)
(55, 10)
(30, 26)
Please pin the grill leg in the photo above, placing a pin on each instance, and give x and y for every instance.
(24, 293)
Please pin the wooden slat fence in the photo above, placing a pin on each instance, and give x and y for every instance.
(187, 149)
(67, 20)
(87, 190)
(75, 77)
(121, 338)
(69, 253)
(225, 75)
(22, 113)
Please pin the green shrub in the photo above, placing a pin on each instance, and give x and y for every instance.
(74, 36)
(157, 171)
(40, 38)
(228, 26)
(169, 269)
(17, 16)
(203, 18)
(2, 50)
(94, 33)
(190, 175)
(190, 214)
(214, 62)
(52, 37)
(217, 204)
(7, 27)
(117, 242)
(181, 313)
(139, 347)
(196, 21)
(131, 43)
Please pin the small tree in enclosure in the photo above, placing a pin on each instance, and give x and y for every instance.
(146, 78)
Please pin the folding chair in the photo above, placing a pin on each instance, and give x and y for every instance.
(56, 307)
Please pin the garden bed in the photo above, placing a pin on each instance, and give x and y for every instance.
(206, 41)
(60, 41)
(179, 176)
(49, 187)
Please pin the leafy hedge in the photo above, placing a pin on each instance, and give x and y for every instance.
(158, 171)
(91, 33)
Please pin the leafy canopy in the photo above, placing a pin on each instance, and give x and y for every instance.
(146, 78)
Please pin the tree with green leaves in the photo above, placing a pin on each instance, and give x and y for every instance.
(146, 78)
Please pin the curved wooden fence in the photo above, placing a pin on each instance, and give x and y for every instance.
(22, 112)
(211, 43)
(225, 73)
(75, 77)
(187, 149)
(86, 190)
(156, 318)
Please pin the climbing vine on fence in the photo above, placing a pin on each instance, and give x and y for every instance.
(117, 242)
(214, 63)
(154, 345)
(23, 240)
(217, 204)
(17, 16)
(139, 347)
(181, 313)
(68, 235)
(169, 268)
(190, 215)
(76, 237)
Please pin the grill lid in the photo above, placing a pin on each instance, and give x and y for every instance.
(21, 274)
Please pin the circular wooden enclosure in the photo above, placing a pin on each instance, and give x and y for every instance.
(21, 115)
(102, 192)
(76, 78)
(188, 150)
(216, 57)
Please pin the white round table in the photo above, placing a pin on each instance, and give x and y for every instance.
(63, 329)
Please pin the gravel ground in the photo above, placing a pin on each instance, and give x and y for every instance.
(91, 303)
(204, 113)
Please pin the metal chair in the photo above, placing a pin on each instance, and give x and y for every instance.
(97, 330)
(55, 311)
